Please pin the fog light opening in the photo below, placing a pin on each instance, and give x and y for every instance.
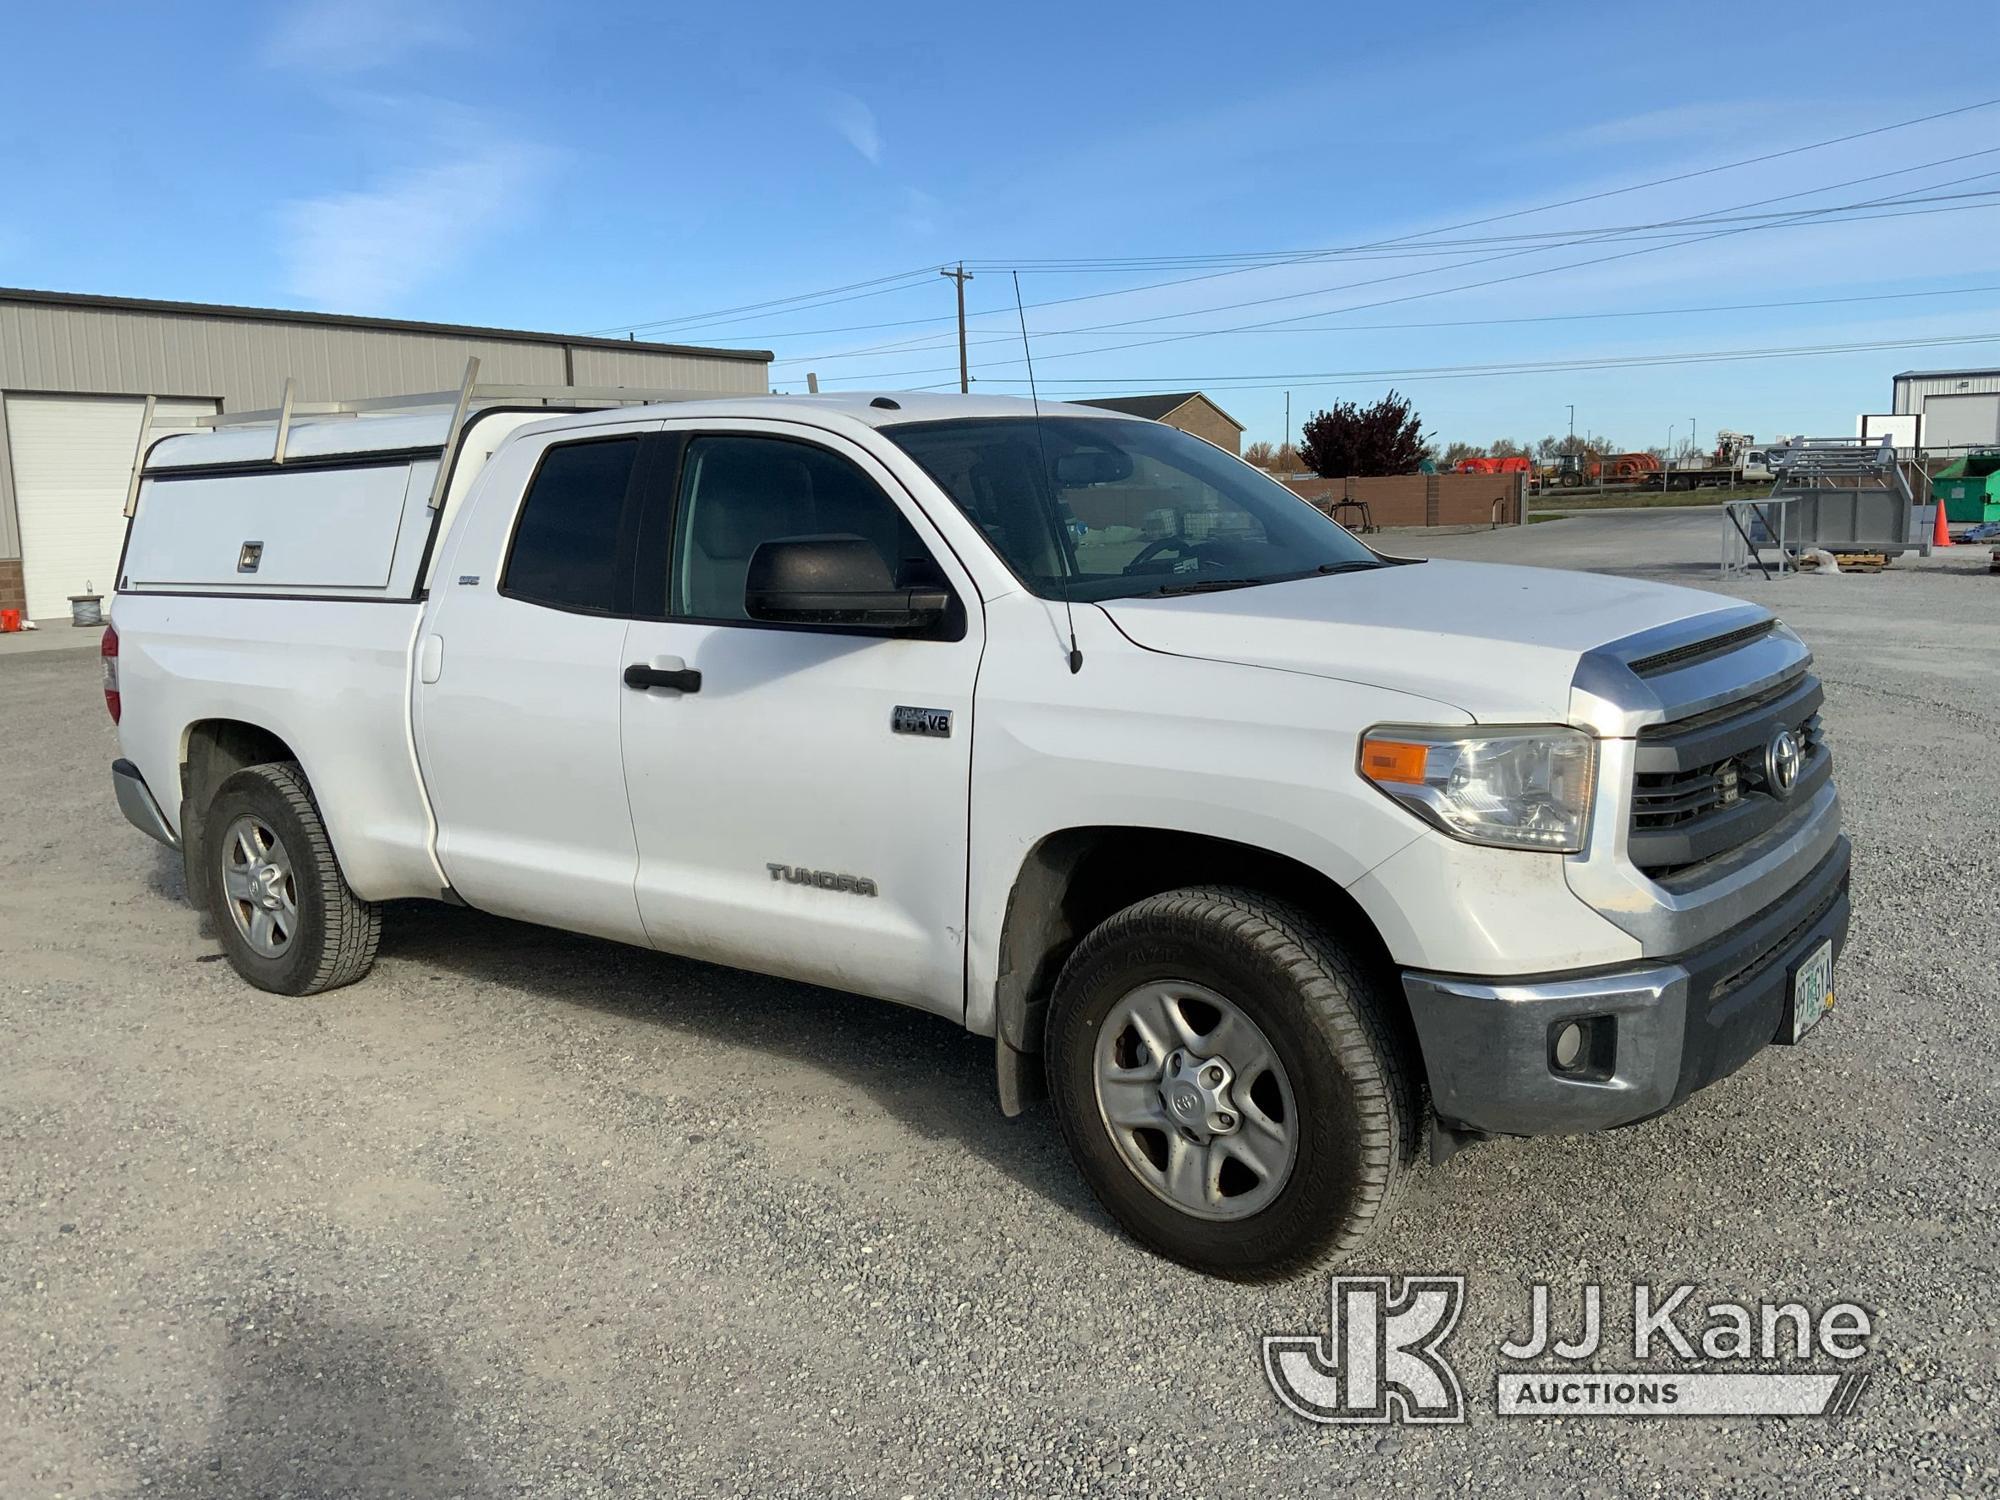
(1567, 1050)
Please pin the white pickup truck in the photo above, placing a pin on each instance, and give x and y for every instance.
(1273, 856)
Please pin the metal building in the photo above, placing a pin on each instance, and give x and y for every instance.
(1960, 408)
(75, 372)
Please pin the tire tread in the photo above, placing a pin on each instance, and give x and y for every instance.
(1339, 1001)
(353, 927)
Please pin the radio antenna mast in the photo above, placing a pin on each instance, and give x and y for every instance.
(1063, 557)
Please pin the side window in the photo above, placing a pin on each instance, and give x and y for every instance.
(739, 492)
(566, 542)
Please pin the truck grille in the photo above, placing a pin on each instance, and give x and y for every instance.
(1702, 787)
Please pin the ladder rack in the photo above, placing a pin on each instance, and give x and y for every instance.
(461, 403)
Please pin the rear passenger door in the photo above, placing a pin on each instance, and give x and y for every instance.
(786, 823)
(518, 691)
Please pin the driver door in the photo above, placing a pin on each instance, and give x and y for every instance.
(788, 820)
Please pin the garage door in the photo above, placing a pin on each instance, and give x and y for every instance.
(1961, 421)
(72, 461)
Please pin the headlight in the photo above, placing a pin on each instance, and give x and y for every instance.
(1511, 788)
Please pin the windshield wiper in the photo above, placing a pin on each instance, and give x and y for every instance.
(1348, 567)
(1202, 586)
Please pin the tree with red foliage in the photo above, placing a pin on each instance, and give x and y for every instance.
(1386, 438)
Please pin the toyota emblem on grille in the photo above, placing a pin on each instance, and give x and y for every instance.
(1782, 759)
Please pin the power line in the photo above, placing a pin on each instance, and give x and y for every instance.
(1584, 237)
(824, 297)
(1637, 312)
(925, 271)
(1748, 161)
(1178, 337)
(944, 340)
(1789, 221)
(1525, 367)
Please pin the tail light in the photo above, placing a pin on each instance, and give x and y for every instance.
(109, 651)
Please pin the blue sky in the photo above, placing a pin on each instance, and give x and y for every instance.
(601, 168)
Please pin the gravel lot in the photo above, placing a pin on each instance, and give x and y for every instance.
(527, 1214)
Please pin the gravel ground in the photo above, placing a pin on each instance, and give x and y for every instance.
(527, 1214)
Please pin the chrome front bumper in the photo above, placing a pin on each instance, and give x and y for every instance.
(1656, 1032)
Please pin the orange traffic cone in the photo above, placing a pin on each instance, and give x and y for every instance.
(1940, 532)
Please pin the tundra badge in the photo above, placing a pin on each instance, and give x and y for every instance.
(826, 880)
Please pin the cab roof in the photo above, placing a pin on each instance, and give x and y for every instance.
(871, 408)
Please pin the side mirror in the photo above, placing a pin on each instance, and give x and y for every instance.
(835, 580)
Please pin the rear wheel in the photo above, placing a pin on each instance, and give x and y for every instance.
(1229, 1083)
(285, 916)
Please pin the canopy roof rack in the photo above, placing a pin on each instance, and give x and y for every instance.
(470, 395)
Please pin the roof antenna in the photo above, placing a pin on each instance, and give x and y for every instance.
(1055, 518)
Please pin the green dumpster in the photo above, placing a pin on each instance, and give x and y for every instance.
(1970, 488)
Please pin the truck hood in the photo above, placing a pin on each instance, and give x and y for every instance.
(1501, 643)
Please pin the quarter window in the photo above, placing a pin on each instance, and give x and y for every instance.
(567, 542)
(739, 492)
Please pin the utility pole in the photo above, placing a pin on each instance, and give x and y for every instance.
(1691, 436)
(961, 276)
(1572, 427)
(1288, 423)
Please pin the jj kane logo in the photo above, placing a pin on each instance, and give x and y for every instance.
(1382, 1357)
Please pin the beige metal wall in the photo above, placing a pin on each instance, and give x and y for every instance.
(244, 362)
(52, 346)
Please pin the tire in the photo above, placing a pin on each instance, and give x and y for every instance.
(296, 930)
(1343, 1081)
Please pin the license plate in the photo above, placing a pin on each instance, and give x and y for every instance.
(1812, 990)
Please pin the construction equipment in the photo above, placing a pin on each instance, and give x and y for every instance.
(1737, 460)
(1571, 471)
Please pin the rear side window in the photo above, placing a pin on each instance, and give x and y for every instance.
(566, 550)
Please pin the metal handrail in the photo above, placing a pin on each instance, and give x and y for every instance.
(468, 392)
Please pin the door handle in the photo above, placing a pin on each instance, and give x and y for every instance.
(681, 679)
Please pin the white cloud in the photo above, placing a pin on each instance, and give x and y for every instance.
(348, 36)
(365, 250)
(855, 122)
(1675, 124)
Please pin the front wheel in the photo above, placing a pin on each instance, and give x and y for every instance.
(1229, 1083)
(286, 918)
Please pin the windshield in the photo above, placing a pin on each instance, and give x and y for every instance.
(1104, 509)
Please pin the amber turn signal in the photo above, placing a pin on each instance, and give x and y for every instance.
(1393, 760)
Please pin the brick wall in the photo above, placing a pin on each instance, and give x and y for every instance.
(13, 591)
(1418, 499)
(1204, 421)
